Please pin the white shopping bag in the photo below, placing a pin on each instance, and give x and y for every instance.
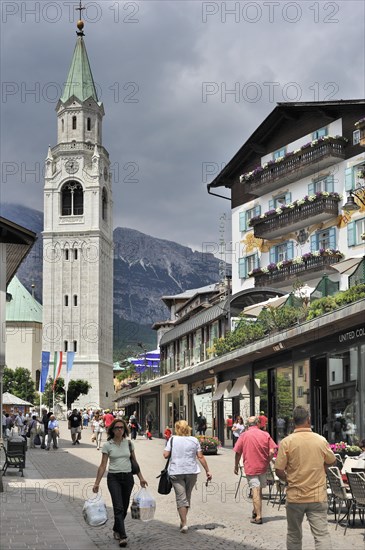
(94, 512)
(143, 505)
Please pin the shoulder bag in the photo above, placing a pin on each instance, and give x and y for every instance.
(165, 485)
(135, 466)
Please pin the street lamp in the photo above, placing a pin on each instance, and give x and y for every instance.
(351, 205)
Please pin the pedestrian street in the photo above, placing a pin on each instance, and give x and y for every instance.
(43, 510)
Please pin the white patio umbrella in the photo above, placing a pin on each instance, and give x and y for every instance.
(255, 309)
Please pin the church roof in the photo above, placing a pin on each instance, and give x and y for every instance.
(22, 307)
(80, 82)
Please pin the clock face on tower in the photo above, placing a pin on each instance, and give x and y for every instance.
(71, 166)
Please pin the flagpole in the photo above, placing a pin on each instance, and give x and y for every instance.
(53, 402)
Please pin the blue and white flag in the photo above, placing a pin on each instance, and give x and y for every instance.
(70, 362)
(44, 372)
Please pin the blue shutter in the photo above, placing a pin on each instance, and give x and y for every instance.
(351, 234)
(349, 179)
(287, 197)
(273, 255)
(242, 268)
(290, 250)
(271, 204)
(314, 243)
(329, 184)
(257, 210)
(311, 189)
(257, 264)
(332, 237)
(243, 221)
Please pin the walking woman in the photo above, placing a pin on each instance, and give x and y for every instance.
(98, 429)
(184, 468)
(120, 478)
(237, 428)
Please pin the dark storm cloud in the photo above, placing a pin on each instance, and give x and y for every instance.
(184, 84)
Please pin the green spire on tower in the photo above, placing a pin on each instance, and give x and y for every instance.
(80, 82)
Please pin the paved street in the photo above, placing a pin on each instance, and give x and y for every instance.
(43, 510)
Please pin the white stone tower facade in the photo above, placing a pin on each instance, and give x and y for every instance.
(78, 237)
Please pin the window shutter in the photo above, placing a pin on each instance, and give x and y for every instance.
(314, 243)
(243, 221)
(257, 210)
(311, 189)
(329, 184)
(290, 250)
(287, 197)
(242, 268)
(257, 264)
(273, 255)
(271, 204)
(332, 237)
(351, 234)
(349, 179)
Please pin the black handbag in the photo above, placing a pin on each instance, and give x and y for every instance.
(165, 485)
(135, 466)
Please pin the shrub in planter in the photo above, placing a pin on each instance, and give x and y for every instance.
(209, 444)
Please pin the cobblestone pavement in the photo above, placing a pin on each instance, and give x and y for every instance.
(43, 510)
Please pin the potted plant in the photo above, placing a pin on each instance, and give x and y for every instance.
(353, 450)
(209, 444)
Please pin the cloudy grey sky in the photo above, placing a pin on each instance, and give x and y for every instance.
(165, 70)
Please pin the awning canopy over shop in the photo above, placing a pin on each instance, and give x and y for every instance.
(347, 266)
(124, 402)
(221, 388)
(242, 387)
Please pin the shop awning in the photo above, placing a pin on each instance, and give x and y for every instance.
(241, 386)
(221, 388)
(347, 266)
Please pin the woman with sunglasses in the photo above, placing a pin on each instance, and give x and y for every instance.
(120, 478)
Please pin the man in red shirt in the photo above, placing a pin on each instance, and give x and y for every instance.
(257, 449)
(108, 418)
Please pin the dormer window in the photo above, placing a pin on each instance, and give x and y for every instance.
(72, 199)
(88, 124)
(74, 122)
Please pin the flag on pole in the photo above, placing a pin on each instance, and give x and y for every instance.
(44, 372)
(57, 366)
(70, 362)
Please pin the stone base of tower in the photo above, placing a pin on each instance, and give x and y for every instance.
(100, 376)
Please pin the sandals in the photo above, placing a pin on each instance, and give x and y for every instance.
(256, 521)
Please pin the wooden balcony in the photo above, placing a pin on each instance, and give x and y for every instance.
(297, 166)
(293, 219)
(311, 268)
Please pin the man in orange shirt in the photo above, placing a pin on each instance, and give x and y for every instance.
(301, 462)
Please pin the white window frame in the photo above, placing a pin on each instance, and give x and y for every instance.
(356, 136)
(279, 153)
(321, 132)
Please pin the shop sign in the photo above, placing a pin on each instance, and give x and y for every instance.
(352, 335)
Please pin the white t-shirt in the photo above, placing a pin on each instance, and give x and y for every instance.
(237, 429)
(183, 456)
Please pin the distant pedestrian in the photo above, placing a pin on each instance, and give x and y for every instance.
(85, 418)
(229, 424)
(301, 462)
(263, 421)
(149, 421)
(98, 429)
(75, 425)
(44, 420)
(19, 422)
(257, 449)
(237, 429)
(167, 433)
(107, 418)
(53, 432)
(32, 430)
(133, 424)
(183, 468)
(201, 424)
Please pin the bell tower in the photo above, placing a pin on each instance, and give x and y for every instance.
(78, 235)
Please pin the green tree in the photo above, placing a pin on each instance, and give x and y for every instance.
(47, 399)
(75, 389)
(19, 383)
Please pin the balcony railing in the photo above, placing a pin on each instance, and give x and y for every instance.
(304, 271)
(299, 165)
(292, 219)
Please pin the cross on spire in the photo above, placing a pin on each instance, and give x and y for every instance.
(80, 8)
(80, 23)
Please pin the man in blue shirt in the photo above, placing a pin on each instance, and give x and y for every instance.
(53, 432)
